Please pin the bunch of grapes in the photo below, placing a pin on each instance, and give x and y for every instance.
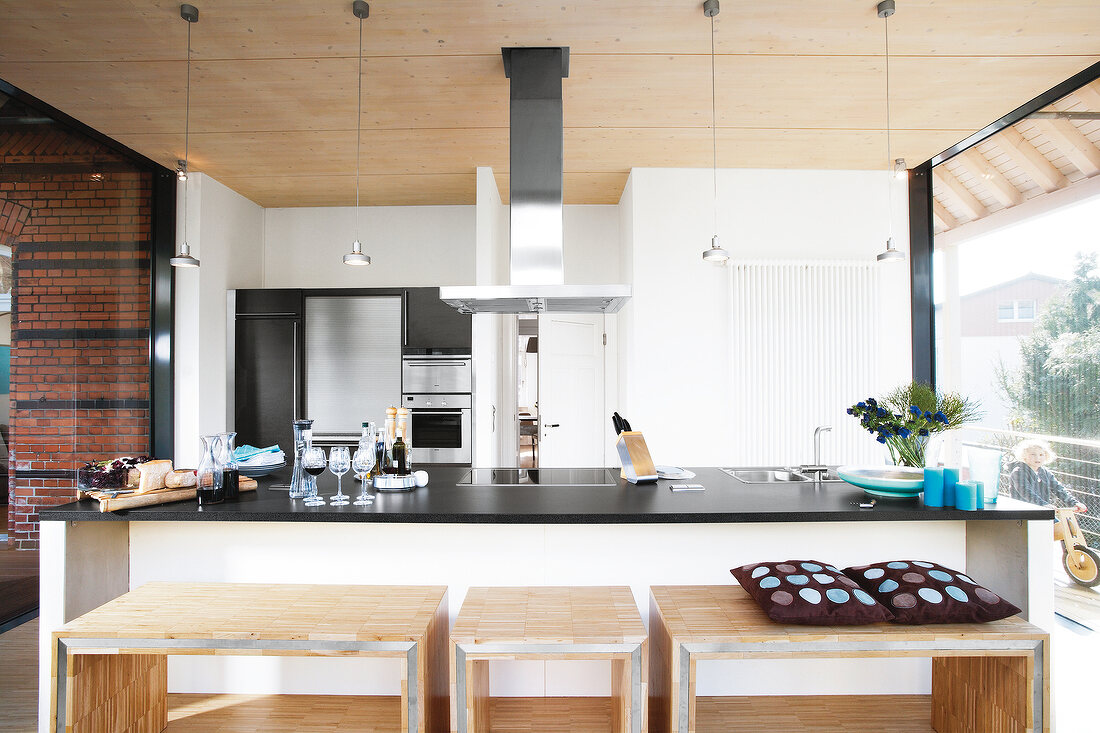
(109, 474)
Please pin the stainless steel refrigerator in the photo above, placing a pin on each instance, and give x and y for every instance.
(352, 362)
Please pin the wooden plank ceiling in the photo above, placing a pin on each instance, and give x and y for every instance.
(799, 84)
(1034, 157)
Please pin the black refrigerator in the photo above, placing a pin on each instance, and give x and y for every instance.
(267, 366)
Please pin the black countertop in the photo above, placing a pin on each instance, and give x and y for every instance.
(445, 500)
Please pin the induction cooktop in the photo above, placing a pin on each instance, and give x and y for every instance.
(537, 476)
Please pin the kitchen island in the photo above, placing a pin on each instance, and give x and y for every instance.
(461, 531)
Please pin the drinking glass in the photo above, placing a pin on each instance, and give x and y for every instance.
(313, 461)
(363, 462)
(339, 461)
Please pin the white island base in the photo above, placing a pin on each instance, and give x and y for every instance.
(85, 564)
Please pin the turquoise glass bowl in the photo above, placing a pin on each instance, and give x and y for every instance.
(889, 482)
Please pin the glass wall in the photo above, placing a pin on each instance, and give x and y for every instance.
(1017, 301)
(76, 216)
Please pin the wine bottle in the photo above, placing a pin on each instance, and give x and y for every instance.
(400, 463)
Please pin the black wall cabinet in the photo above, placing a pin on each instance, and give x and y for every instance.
(433, 326)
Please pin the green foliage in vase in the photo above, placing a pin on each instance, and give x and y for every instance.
(906, 418)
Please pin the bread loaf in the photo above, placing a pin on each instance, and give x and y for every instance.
(152, 475)
(133, 478)
(181, 478)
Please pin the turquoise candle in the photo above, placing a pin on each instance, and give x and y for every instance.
(980, 485)
(933, 486)
(950, 478)
(966, 496)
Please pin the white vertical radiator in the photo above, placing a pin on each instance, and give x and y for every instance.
(802, 349)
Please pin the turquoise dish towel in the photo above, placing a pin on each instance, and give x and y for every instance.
(244, 452)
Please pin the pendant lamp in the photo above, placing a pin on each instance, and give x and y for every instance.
(183, 258)
(715, 254)
(899, 171)
(356, 258)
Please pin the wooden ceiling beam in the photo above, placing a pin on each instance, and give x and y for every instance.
(1072, 143)
(1089, 95)
(1027, 156)
(999, 186)
(943, 216)
(953, 187)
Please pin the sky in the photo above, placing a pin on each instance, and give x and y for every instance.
(1045, 244)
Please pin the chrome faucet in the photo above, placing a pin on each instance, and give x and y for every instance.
(817, 467)
(817, 442)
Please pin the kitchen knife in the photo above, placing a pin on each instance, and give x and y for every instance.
(626, 425)
(617, 422)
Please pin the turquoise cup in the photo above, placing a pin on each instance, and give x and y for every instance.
(950, 478)
(933, 486)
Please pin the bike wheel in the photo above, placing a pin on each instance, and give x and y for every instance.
(1087, 572)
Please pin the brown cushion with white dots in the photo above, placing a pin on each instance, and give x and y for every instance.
(919, 592)
(808, 592)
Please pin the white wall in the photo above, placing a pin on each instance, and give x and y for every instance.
(408, 246)
(675, 330)
(225, 231)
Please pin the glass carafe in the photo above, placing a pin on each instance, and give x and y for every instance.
(301, 483)
(227, 462)
(209, 487)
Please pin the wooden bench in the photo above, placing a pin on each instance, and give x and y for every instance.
(992, 677)
(110, 670)
(548, 623)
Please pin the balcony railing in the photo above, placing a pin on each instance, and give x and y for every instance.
(1077, 467)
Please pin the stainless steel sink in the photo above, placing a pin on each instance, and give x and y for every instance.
(769, 475)
(764, 475)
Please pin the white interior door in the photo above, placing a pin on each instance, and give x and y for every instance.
(571, 391)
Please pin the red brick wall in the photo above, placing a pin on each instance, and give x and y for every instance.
(77, 217)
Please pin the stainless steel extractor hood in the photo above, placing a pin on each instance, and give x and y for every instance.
(536, 263)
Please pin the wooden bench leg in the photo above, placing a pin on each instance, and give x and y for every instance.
(664, 670)
(477, 696)
(992, 694)
(116, 692)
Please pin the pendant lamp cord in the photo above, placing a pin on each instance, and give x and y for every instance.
(358, 124)
(713, 129)
(889, 159)
(186, 132)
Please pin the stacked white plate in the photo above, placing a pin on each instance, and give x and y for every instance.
(674, 473)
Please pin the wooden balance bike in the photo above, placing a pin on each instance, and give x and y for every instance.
(1081, 562)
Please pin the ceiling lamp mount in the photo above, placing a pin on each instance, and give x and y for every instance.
(361, 10)
(183, 258)
(715, 254)
(898, 170)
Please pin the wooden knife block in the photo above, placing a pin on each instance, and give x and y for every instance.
(634, 454)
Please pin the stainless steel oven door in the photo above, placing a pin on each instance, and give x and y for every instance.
(436, 375)
(441, 428)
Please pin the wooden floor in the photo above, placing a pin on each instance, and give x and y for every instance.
(18, 582)
(1076, 602)
(19, 679)
(288, 713)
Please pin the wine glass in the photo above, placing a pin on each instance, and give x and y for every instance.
(363, 462)
(313, 461)
(339, 461)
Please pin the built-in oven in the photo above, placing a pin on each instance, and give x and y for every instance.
(440, 427)
(437, 375)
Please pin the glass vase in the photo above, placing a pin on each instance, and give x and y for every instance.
(209, 487)
(227, 463)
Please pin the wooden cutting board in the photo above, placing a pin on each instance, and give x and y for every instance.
(152, 498)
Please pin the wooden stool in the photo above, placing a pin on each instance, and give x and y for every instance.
(547, 623)
(992, 677)
(110, 672)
